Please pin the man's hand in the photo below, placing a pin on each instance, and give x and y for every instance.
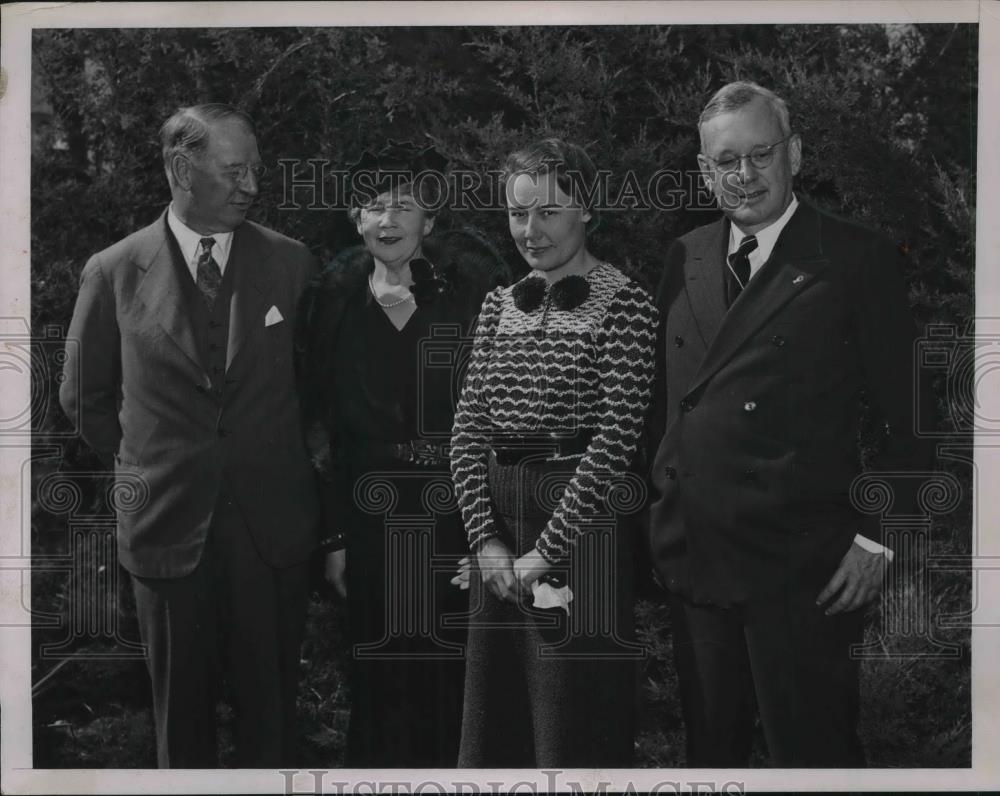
(496, 566)
(335, 569)
(462, 574)
(529, 568)
(858, 579)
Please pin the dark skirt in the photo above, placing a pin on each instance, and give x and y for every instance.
(407, 662)
(543, 688)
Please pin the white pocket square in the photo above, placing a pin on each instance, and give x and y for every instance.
(273, 316)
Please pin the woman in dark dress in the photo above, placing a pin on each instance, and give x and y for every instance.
(548, 425)
(380, 350)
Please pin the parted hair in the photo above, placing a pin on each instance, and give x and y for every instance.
(574, 171)
(734, 96)
(187, 130)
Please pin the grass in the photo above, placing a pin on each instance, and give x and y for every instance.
(916, 708)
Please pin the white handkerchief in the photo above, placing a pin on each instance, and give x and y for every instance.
(548, 597)
(273, 316)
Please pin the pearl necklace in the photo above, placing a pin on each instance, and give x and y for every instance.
(386, 305)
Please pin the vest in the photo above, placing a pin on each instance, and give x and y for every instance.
(211, 328)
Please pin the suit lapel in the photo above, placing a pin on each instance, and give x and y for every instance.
(705, 282)
(797, 259)
(251, 286)
(161, 292)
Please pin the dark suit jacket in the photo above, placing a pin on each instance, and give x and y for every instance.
(138, 392)
(752, 476)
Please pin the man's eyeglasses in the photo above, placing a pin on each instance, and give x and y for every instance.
(236, 173)
(759, 156)
(240, 173)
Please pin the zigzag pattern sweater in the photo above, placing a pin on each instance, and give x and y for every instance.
(553, 370)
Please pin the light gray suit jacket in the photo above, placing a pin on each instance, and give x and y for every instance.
(137, 389)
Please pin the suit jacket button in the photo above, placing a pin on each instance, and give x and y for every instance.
(200, 388)
(223, 432)
(750, 476)
(678, 341)
(670, 473)
(749, 406)
(687, 405)
(778, 340)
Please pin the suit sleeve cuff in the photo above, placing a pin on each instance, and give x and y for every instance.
(873, 547)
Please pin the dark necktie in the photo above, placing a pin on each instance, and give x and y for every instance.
(738, 273)
(209, 274)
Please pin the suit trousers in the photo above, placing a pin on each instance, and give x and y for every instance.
(783, 652)
(232, 613)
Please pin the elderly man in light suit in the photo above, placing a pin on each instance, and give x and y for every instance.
(777, 316)
(184, 380)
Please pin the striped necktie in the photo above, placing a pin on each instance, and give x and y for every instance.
(738, 273)
(209, 276)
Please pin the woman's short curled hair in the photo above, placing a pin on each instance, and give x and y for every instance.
(186, 132)
(734, 96)
(399, 166)
(574, 171)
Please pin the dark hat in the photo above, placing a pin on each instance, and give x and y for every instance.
(399, 163)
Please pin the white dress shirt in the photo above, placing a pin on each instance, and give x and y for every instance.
(766, 240)
(190, 243)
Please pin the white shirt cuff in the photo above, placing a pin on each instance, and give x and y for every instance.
(873, 547)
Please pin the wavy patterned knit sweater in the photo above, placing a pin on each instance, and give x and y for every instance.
(549, 371)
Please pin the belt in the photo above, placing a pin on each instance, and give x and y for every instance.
(514, 450)
(415, 451)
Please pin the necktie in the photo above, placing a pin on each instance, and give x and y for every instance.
(209, 274)
(738, 273)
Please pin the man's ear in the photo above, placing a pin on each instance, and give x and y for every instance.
(428, 224)
(706, 173)
(180, 170)
(795, 153)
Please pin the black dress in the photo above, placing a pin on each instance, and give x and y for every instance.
(368, 390)
(404, 537)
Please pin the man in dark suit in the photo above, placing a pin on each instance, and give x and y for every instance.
(777, 316)
(184, 382)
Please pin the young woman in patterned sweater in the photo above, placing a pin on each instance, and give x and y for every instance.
(547, 427)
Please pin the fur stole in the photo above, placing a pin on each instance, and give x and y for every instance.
(467, 266)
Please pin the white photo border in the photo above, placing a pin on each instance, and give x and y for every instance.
(19, 20)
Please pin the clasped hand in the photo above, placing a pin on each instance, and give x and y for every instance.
(507, 577)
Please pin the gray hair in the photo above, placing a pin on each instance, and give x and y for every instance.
(734, 96)
(186, 132)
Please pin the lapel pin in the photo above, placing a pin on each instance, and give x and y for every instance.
(798, 280)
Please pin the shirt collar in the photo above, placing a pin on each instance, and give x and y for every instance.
(190, 243)
(767, 237)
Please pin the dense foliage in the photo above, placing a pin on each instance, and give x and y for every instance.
(887, 115)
